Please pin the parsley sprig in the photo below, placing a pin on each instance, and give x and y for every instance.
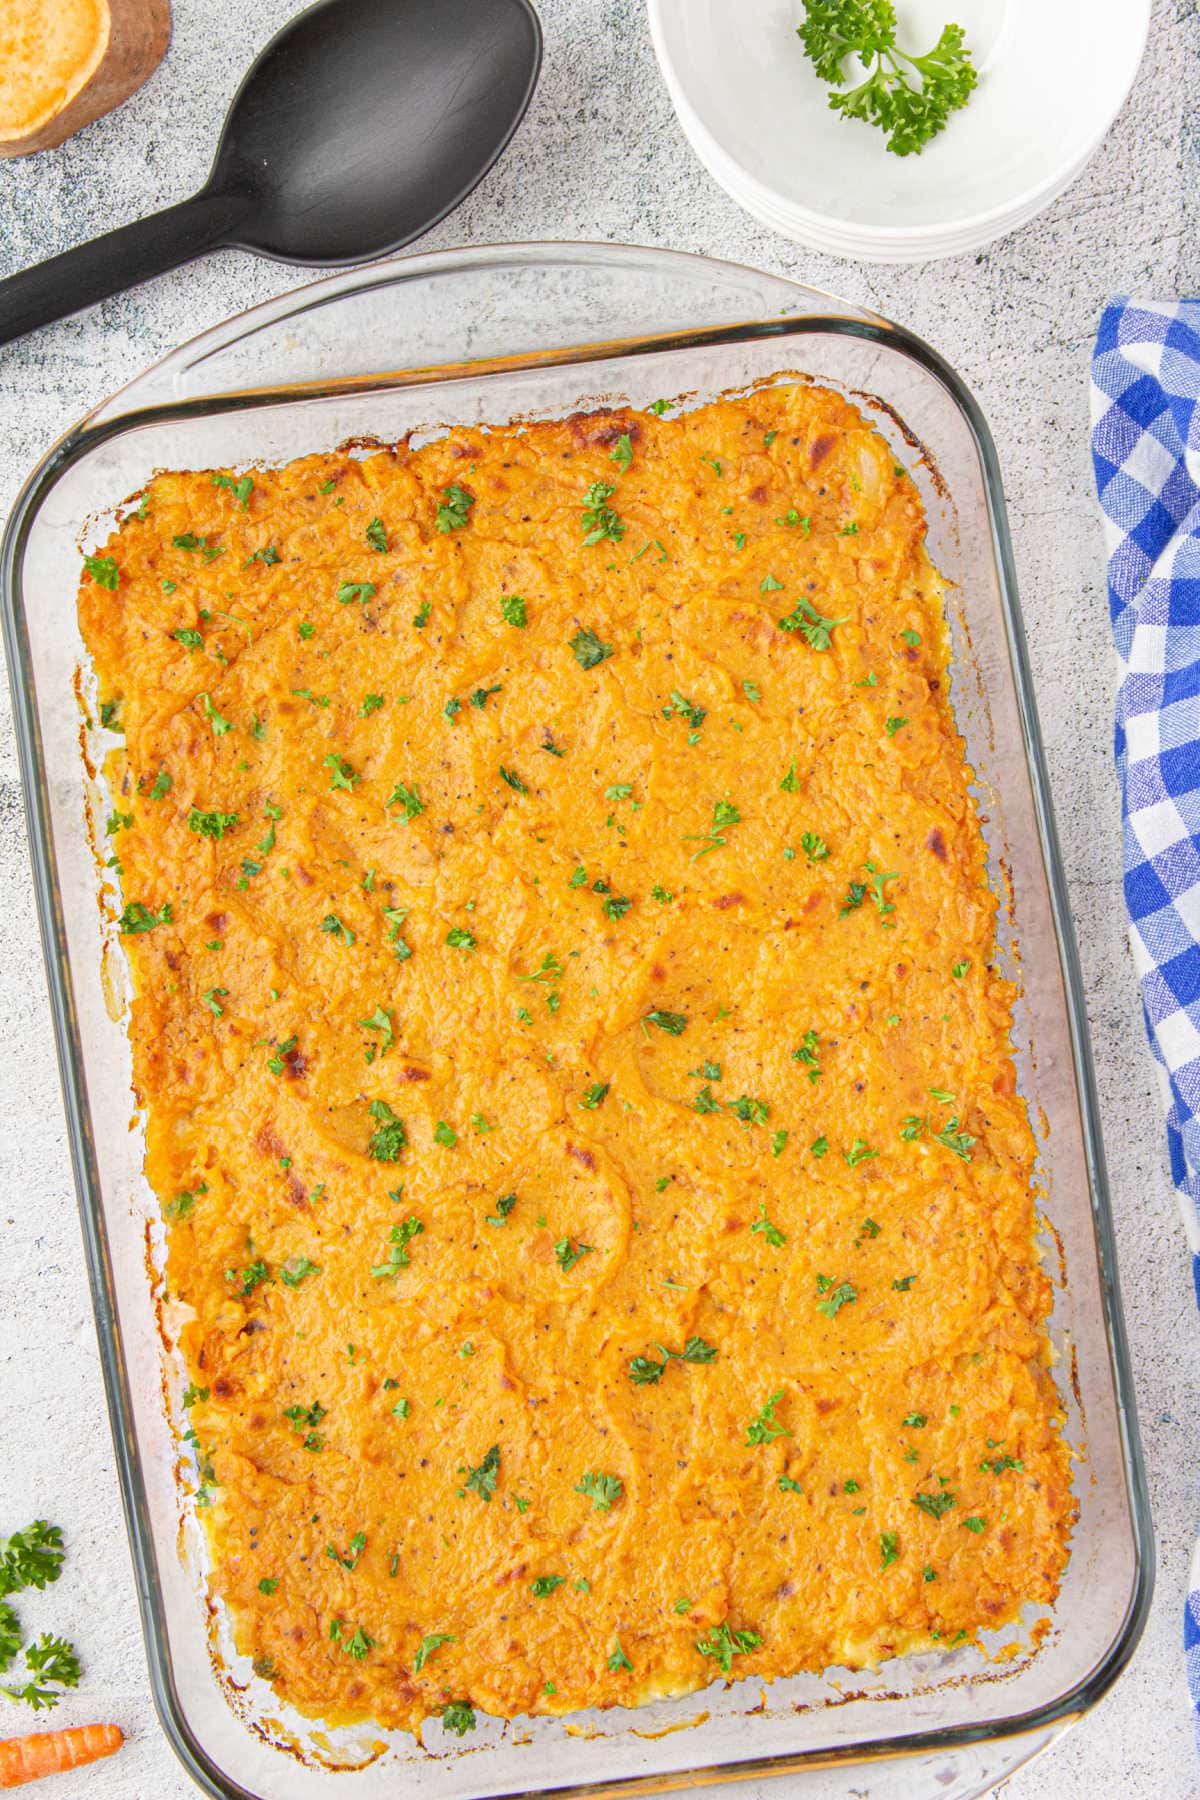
(909, 97)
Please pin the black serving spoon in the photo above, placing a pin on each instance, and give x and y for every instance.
(362, 124)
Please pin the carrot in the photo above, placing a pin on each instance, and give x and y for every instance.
(50, 1752)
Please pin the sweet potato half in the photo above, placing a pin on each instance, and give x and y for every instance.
(65, 62)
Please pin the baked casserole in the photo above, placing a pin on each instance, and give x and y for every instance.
(573, 1068)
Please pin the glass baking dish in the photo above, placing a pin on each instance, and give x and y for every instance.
(486, 336)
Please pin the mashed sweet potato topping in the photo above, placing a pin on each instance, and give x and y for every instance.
(575, 1075)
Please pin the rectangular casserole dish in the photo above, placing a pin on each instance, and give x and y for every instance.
(478, 337)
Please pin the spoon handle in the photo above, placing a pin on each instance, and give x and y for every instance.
(118, 260)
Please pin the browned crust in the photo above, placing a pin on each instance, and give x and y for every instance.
(139, 32)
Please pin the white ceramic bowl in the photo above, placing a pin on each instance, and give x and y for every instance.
(1053, 75)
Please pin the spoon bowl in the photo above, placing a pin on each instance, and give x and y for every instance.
(359, 126)
(364, 122)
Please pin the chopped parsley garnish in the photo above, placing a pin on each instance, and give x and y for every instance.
(389, 1137)
(379, 1021)
(354, 1550)
(212, 998)
(723, 1643)
(975, 1524)
(808, 1053)
(333, 927)
(815, 848)
(189, 637)
(749, 1110)
(504, 1206)
(787, 1486)
(137, 918)
(408, 799)
(588, 649)
(959, 969)
(674, 1024)
(458, 1716)
(162, 786)
(844, 1294)
(513, 779)
(622, 452)
(618, 1659)
(241, 490)
(599, 519)
(341, 775)
(902, 1284)
(725, 813)
(601, 1490)
(772, 1233)
(459, 938)
(211, 824)
(188, 541)
(815, 630)
(936, 1505)
(892, 726)
(889, 1551)
(296, 1269)
(593, 1095)
(567, 1255)
(482, 1480)
(789, 784)
(370, 703)
(549, 969)
(513, 609)
(645, 1372)
(454, 510)
(304, 1419)
(682, 708)
(421, 616)
(428, 1645)
(911, 638)
(763, 1429)
(445, 1135)
(254, 1275)
(398, 1241)
(545, 1584)
(219, 725)
(859, 1152)
(352, 591)
(103, 571)
(376, 535)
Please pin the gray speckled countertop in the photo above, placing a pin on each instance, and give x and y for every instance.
(601, 156)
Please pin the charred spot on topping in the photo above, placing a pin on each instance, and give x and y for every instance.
(222, 1387)
(266, 1141)
(819, 449)
(936, 843)
(303, 874)
(657, 972)
(760, 494)
(295, 1064)
(414, 1074)
(724, 901)
(582, 1155)
(216, 921)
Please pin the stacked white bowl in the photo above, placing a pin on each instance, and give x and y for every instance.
(1053, 75)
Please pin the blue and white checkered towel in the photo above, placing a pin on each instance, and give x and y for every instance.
(1146, 448)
